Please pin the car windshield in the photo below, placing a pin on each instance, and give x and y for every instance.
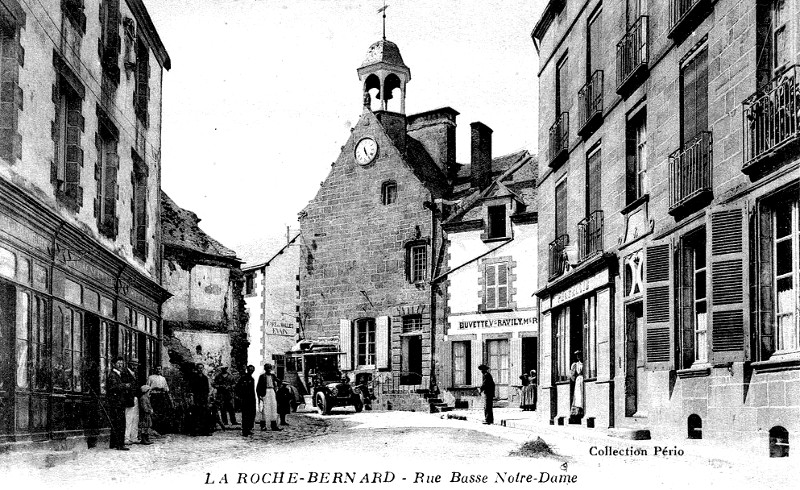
(325, 366)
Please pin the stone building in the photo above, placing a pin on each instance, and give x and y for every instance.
(492, 315)
(205, 319)
(80, 264)
(271, 293)
(672, 253)
(371, 239)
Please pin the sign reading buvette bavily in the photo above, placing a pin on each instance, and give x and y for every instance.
(505, 320)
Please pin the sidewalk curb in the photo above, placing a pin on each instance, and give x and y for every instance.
(709, 452)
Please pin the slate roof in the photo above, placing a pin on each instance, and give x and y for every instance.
(179, 229)
(383, 51)
(423, 165)
(260, 265)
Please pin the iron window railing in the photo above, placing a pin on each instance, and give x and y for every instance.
(558, 256)
(771, 117)
(559, 138)
(590, 235)
(632, 51)
(686, 14)
(690, 170)
(590, 100)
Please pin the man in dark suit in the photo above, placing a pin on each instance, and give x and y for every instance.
(117, 394)
(246, 393)
(487, 388)
(200, 387)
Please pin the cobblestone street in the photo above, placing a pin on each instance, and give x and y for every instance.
(399, 446)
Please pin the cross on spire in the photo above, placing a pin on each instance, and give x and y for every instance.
(383, 10)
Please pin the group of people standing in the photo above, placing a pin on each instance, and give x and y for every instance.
(130, 409)
(270, 399)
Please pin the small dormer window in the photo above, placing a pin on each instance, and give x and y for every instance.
(389, 193)
(497, 222)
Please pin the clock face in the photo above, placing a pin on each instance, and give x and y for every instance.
(366, 149)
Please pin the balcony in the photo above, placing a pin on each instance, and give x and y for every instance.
(558, 256)
(559, 140)
(686, 15)
(771, 119)
(590, 104)
(590, 236)
(690, 174)
(632, 56)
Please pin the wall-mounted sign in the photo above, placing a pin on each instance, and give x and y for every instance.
(284, 329)
(503, 321)
(578, 289)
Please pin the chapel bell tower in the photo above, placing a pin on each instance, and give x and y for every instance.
(383, 69)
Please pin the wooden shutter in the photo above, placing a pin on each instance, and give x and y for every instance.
(490, 288)
(546, 349)
(382, 337)
(110, 189)
(445, 378)
(476, 359)
(658, 306)
(684, 282)
(727, 252)
(346, 343)
(561, 208)
(502, 285)
(765, 317)
(515, 361)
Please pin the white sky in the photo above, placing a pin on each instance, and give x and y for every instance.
(262, 95)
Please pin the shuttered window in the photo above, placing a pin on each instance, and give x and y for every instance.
(561, 208)
(106, 170)
(658, 306)
(593, 182)
(496, 286)
(69, 125)
(562, 87)
(142, 90)
(727, 255)
(561, 334)
(694, 97)
(139, 212)
(636, 157)
(595, 43)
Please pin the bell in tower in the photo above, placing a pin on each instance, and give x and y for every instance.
(384, 70)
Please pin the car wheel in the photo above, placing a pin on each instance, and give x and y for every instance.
(322, 404)
(357, 403)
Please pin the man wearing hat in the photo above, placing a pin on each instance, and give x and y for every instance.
(487, 388)
(117, 394)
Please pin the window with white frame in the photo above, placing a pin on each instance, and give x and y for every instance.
(461, 363)
(561, 330)
(365, 342)
(692, 299)
(786, 253)
(418, 262)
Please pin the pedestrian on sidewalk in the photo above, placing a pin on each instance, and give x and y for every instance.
(161, 401)
(526, 393)
(246, 394)
(576, 376)
(266, 390)
(117, 394)
(487, 389)
(201, 422)
(131, 405)
(145, 415)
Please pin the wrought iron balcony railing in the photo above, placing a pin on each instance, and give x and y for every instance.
(590, 235)
(558, 256)
(690, 172)
(771, 118)
(684, 15)
(590, 102)
(633, 53)
(559, 139)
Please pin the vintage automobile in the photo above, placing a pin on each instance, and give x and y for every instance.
(313, 369)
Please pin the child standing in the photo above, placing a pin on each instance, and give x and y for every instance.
(145, 416)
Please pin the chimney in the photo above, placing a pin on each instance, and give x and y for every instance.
(481, 164)
(436, 130)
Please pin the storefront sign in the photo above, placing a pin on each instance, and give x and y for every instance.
(503, 321)
(283, 329)
(580, 288)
